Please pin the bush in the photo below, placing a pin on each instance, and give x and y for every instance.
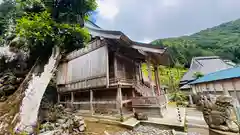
(178, 96)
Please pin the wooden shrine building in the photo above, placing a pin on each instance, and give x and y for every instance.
(105, 77)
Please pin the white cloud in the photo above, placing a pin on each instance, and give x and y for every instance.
(146, 40)
(107, 9)
(170, 3)
(145, 21)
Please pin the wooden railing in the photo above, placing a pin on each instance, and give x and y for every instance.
(121, 80)
(142, 89)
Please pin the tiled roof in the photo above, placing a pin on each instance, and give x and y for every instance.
(205, 65)
(220, 75)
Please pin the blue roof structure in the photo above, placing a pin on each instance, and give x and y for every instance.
(220, 75)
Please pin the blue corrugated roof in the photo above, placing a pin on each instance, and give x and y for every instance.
(220, 75)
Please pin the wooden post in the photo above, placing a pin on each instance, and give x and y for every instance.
(119, 100)
(115, 68)
(157, 79)
(72, 99)
(133, 95)
(214, 87)
(91, 102)
(140, 71)
(58, 99)
(235, 90)
(107, 67)
(225, 91)
(150, 77)
(194, 89)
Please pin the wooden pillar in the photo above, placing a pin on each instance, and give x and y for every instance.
(194, 89)
(214, 87)
(107, 67)
(91, 101)
(157, 79)
(115, 67)
(58, 98)
(235, 90)
(140, 72)
(225, 91)
(133, 95)
(72, 99)
(119, 102)
(150, 77)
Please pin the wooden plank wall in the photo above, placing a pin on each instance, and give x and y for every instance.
(126, 68)
(92, 64)
(86, 68)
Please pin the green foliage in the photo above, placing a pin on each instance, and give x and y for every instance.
(198, 75)
(7, 8)
(222, 40)
(178, 96)
(168, 76)
(41, 28)
(47, 23)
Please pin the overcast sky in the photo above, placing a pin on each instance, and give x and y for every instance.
(146, 20)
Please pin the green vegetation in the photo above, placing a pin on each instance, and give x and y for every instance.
(168, 76)
(178, 97)
(222, 40)
(46, 23)
(198, 75)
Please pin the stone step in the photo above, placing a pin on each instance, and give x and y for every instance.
(130, 123)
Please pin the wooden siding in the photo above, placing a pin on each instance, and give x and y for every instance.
(62, 73)
(218, 86)
(89, 65)
(95, 44)
(125, 68)
(85, 71)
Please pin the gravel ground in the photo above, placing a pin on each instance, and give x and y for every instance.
(145, 130)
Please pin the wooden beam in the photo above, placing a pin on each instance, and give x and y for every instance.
(94, 102)
(126, 101)
(124, 57)
(91, 101)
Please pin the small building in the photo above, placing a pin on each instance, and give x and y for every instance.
(203, 65)
(222, 82)
(105, 77)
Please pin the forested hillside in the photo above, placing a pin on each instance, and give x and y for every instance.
(222, 40)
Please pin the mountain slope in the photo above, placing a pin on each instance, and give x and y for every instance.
(222, 40)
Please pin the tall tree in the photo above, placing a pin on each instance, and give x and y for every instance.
(54, 22)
